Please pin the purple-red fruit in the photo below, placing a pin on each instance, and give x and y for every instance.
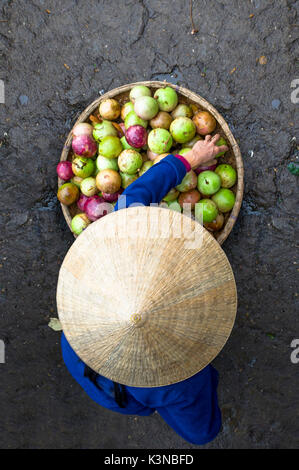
(84, 146)
(64, 170)
(96, 207)
(112, 197)
(136, 136)
(81, 203)
(202, 168)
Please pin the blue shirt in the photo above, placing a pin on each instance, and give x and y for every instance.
(190, 407)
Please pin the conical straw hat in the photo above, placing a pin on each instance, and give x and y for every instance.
(146, 297)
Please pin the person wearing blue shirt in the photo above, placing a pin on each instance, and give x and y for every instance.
(190, 407)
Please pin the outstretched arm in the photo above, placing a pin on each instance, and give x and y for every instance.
(153, 185)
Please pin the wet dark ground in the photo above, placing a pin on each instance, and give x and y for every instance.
(56, 58)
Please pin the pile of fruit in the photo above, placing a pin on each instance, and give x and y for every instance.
(121, 143)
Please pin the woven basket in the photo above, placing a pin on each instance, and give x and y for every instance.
(233, 156)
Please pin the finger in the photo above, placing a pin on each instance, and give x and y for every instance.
(215, 138)
(208, 163)
(211, 162)
(208, 138)
(222, 148)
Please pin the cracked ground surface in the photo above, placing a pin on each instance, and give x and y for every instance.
(56, 58)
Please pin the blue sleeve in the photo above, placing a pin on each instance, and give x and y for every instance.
(103, 394)
(153, 185)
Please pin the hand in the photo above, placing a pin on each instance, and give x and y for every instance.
(204, 151)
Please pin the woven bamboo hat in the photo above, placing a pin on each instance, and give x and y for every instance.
(146, 297)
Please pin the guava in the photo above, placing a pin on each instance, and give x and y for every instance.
(110, 147)
(84, 146)
(224, 199)
(139, 90)
(103, 129)
(174, 206)
(205, 210)
(129, 161)
(126, 179)
(133, 120)
(146, 107)
(208, 183)
(216, 224)
(79, 223)
(171, 195)
(68, 193)
(220, 142)
(104, 163)
(83, 167)
(182, 110)
(184, 150)
(167, 98)
(161, 120)
(109, 109)
(77, 181)
(189, 197)
(108, 181)
(160, 157)
(88, 186)
(159, 140)
(182, 129)
(205, 123)
(126, 109)
(189, 182)
(125, 144)
(146, 166)
(227, 174)
(136, 136)
(193, 141)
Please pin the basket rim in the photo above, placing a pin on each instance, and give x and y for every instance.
(224, 233)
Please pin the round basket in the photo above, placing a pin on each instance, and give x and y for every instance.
(233, 156)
